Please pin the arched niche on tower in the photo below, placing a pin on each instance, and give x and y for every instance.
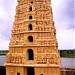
(30, 27)
(30, 8)
(30, 17)
(30, 39)
(30, 54)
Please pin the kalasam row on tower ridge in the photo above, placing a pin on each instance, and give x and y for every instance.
(33, 48)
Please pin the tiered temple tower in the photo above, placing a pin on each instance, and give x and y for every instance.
(33, 48)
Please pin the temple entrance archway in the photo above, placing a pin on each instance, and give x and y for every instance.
(30, 71)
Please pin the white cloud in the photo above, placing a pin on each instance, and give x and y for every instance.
(74, 38)
(6, 19)
(2, 12)
(63, 22)
(55, 3)
(4, 43)
(66, 39)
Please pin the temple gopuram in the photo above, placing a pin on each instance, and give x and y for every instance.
(33, 47)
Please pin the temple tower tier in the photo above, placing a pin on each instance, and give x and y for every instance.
(33, 47)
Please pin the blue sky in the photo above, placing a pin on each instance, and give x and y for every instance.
(63, 12)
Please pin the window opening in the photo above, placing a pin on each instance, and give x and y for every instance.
(18, 73)
(31, 2)
(30, 71)
(30, 38)
(30, 17)
(30, 27)
(30, 54)
(30, 9)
